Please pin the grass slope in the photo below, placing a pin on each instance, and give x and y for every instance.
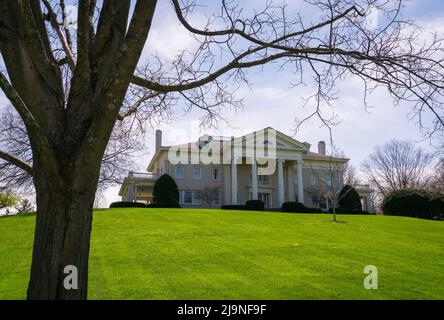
(214, 254)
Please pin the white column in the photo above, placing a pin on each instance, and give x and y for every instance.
(233, 181)
(254, 180)
(300, 183)
(281, 194)
(227, 185)
(290, 182)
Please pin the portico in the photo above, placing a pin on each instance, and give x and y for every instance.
(285, 188)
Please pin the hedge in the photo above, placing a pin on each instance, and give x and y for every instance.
(348, 211)
(294, 207)
(407, 202)
(297, 207)
(127, 204)
(255, 205)
(233, 207)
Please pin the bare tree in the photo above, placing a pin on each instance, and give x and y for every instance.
(329, 177)
(398, 165)
(69, 88)
(209, 195)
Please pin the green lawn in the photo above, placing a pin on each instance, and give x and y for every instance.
(214, 254)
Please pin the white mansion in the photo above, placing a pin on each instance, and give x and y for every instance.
(266, 165)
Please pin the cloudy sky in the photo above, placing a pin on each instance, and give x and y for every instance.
(271, 101)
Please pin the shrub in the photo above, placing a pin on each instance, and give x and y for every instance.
(350, 199)
(126, 204)
(233, 207)
(314, 210)
(436, 205)
(165, 192)
(294, 207)
(255, 205)
(347, 211)
(406, 202)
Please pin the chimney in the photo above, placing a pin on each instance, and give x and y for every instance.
(321, 147)
(158, 139)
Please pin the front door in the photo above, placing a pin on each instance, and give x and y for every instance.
(265, 197)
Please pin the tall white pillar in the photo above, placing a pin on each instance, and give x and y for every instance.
(254, 180)
(290, 183)
(227, 185)
(281, 195)
(233, 181)
(300, 182)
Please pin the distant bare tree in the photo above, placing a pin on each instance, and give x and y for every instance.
(398, 165)
(24, 206)
(124, 144)
(351, 175)
(209, 194)
(436, 183)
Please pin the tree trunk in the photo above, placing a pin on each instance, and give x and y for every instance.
(62, 233)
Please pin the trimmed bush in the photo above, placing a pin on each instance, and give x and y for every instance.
(233, 207)
(165, 192)
(126, 204)
(406, 202)
(294, 207)
(350, 199)
(255, 205)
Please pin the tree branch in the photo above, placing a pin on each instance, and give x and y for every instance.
(16, 161)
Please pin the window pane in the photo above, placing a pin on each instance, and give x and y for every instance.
(216, 174)
(179, 172)
(216, 198)
(196, 197)
(187, 199)
(197, 173)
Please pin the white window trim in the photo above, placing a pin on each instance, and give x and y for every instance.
(201, 173)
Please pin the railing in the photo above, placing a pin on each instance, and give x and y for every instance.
(143, 175)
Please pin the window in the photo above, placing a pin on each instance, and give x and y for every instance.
(238, 197)
(263, 179)
(197, 173)
(319, 202)
(328, 180)
(215, 173)
(216, 199)
(314, 180)
(179, 172)
(187, 197)
(196, 198)
(190, 197)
